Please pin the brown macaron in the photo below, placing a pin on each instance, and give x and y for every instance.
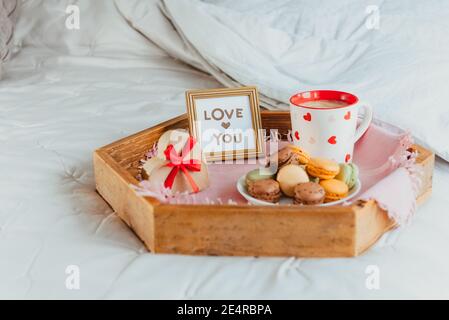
(266, 190)
(290, 154)
(309, 193)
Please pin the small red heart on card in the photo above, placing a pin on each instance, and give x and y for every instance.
(347, 158)
(348, 115)
(332, 140)
(297, 135)
(307, 116)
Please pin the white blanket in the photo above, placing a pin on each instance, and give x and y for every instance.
(58, 104)
(390, 53)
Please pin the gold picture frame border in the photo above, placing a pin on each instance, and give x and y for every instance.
(251, 92)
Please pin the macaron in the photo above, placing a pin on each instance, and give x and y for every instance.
(266, 189)
(323, 168)
(289, 176)
(259, 174)
(335, 189)
(309, 193)
(348, 174)
(290, 154)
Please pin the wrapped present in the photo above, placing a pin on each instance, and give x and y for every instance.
(178, 164)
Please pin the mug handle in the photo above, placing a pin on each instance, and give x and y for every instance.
(367, 117)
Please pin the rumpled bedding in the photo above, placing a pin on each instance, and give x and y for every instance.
(8, 14)
(59, 103)
(392, 54)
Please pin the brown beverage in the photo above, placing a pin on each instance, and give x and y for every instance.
(324, 104)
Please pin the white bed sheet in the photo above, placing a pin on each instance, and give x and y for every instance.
(55, 110)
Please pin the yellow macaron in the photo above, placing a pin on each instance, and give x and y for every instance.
(302, 156)
(289, 176)
(335, 189)
(322, 168)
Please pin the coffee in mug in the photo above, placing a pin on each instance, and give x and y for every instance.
(324, 104)
(324, 123)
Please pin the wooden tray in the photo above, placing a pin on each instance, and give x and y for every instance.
(237, 230)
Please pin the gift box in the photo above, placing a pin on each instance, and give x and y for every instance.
(177, 164)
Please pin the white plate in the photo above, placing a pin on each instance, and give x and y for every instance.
(241, 187)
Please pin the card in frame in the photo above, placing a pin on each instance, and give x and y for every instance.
(220, 109)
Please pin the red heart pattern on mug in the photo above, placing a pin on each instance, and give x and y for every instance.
(297, 135)
(332, 140)
(328, 129)
(307, 117)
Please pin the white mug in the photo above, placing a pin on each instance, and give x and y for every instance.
(329, 132)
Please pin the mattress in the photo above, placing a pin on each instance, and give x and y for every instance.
(57, 109)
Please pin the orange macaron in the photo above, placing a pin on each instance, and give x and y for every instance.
(334, 189)
(322, 168)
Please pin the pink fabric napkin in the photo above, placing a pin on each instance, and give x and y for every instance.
(387, 174)
(395, 194)
(387, 170)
